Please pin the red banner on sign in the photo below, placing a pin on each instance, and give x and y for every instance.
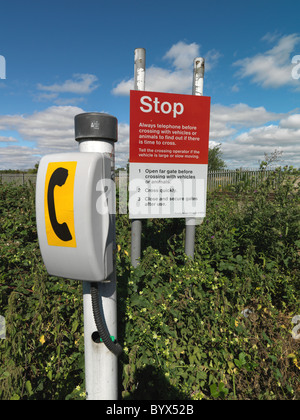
(169, 128)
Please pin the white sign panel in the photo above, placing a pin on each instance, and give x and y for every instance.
(167, 190)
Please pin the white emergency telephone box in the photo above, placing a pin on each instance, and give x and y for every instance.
(74, 212)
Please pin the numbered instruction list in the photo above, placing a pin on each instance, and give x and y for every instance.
(166, 190)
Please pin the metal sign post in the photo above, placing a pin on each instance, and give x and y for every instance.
(136, 224)
(98, 133)
(190, 223)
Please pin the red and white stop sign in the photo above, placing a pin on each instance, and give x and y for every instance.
(169, 128)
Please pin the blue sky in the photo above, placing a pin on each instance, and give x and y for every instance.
(68, 56)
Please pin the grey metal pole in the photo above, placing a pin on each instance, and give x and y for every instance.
(97, 132)
(190, 223)
(139, 68)
(136, 224)
(198, 76)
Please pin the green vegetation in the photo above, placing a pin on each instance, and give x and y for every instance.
(218, 327)
(215, 161)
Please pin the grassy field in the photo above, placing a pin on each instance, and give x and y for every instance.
(218, 327)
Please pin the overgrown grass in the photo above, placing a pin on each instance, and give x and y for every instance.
(218, 327)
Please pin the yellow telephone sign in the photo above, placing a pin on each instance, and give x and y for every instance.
(59, 204)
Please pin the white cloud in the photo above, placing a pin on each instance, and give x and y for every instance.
(271, 136)
(248, 149)
(292, 121)
(9, 139)
(182, 54)
(225, 121)
(243, 115)
(273, 68)
(124, 87)
(235, 88)
(122, 145)
(80, 84)
(18, 157)
(162, 80)
(178, 78)
(51, 128)
(271, 37)
(51, 131)
(211, 59)
(247, 133)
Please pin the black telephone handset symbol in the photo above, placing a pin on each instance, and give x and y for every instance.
(58, 177)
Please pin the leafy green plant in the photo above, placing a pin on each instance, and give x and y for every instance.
(217, 327)
(219, 390)
(42, 355)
